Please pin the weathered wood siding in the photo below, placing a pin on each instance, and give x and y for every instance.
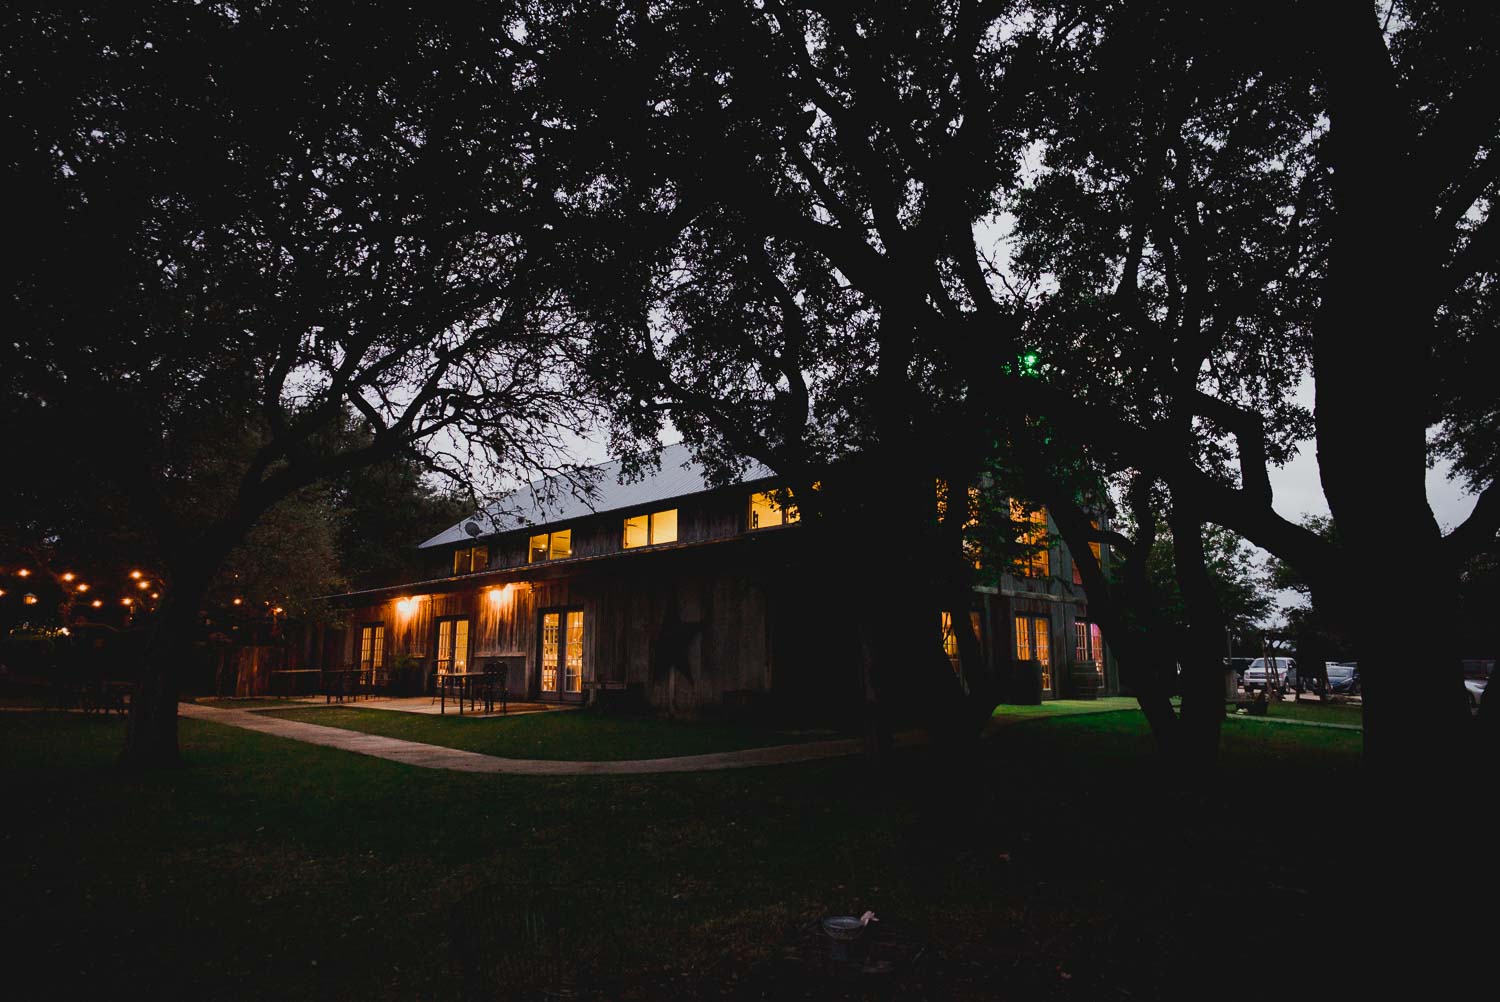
(688, 625)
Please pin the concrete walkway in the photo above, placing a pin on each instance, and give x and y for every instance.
(427, 756)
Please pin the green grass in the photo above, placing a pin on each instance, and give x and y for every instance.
(577, 735)
(1064, 707)
(268, 868)
(1351, 714)
(251, 702)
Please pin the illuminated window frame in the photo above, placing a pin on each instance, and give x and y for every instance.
(468, 559)
(1038, 562)
(656, 534)
(761, 501)
(554, 545)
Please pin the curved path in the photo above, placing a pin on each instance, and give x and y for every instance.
(427, 756)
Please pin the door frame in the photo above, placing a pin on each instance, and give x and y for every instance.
(437, 632)
(562, 611)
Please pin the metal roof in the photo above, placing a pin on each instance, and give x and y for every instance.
(555, 499)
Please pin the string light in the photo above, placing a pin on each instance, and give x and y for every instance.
(155, 595)
(96, 603)
(239, 601)
(23, 573)
(69, 576)
(136, 575)
(127, 601)
(143, 585)
(82, 587)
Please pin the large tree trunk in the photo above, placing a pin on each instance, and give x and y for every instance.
(1202, 665)
(1372, 361)
(151, 732)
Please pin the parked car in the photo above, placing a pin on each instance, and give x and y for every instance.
(1255, 675)
(1343, 678)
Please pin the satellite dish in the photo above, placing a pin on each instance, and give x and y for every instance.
(472, 528)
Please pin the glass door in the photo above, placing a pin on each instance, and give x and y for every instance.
(453, 645)
(562, 654)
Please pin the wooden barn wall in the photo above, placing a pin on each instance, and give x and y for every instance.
(687, 627)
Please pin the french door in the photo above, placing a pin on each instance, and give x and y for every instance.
(562, 654)
(372, 648)
(1034, 643)
(453, 644)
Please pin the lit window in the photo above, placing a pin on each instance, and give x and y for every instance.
(555, 545)
(1032, 536)
(470, 558)
(1098, 556)
(766, 511)
(950, 638)
(637, 531)
(649, 530)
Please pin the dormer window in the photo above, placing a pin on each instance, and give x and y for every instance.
(467, 559)
(766, 511)
(555, 545)
(651, 530)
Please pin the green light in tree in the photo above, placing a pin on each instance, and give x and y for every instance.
(1029, 362)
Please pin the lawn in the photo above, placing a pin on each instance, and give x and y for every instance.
(1058, 863)
(1006, 712)
(251, 702)
(1350, 714)
(570, 734)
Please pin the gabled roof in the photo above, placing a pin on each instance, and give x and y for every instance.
(553, 499)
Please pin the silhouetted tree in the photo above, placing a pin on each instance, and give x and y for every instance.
(235, 225)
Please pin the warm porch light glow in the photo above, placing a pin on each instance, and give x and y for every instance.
(69, 575)
(406, 606)
(498, 592)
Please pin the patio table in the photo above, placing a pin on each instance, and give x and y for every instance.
(345, 683)
(465, 683)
